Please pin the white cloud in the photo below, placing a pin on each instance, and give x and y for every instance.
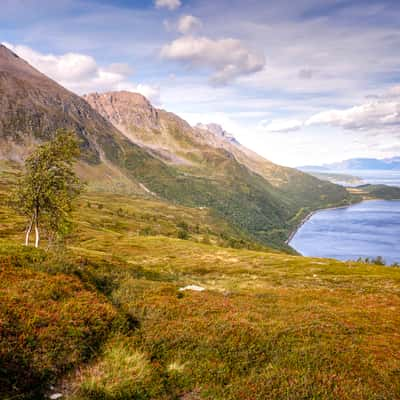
(188, 23)
(392, 93)
(379, 116)
(230, 58)
(170, 4)
(120, 68)
(150, 92)
(281, 125)
(68, 67)
(220, 118)
(374, 115)
(80, 73)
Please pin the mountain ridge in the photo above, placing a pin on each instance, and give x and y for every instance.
(129, 145)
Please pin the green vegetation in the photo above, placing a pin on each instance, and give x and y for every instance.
(49, 323)
(263, 212)
(45, 192)
(379, 260)
(379, 192)
(106, 319)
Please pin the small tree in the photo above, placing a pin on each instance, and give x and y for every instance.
(45, 191)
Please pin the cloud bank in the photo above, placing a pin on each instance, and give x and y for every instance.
(188, 23)
(81, 74)
(370, 116)
(170, 4)
(281, 125)
(228, 58)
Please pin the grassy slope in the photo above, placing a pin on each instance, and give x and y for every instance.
(269, 325)
(377, 192)
(265, 213)
(48, 324)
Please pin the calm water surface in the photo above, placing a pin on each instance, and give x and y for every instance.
(391, 178)
(368, 229)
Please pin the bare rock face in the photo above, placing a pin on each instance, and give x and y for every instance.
(218, 131)
(124, 109)
(173, 140)
(164, 134)
(33, 107)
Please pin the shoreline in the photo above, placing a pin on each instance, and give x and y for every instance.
(312, 213)
(302, 222)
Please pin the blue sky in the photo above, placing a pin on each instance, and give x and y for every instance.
(300, 82)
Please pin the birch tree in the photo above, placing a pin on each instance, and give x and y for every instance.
(48, 186)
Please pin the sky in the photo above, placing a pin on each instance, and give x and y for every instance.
(300, 82)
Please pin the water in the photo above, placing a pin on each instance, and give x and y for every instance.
(391, 178)
(367, 229)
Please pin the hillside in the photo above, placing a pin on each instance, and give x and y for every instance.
(156, 154)
(106, 319)
(369, 192)
(234, 176)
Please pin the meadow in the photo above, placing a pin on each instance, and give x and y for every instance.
(103, 317)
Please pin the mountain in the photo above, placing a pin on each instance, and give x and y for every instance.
(130, 146)
(33, 107)
(196, 150)
(218, 131)
(386, 164)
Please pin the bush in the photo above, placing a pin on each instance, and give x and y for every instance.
(146, 231)
(379, 260)
(183, 225)
(49, 324)
(183, 234)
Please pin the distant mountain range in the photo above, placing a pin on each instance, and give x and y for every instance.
(130, 146)
(386, 164)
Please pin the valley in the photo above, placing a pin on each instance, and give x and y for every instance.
(130, 146)
(168, 206)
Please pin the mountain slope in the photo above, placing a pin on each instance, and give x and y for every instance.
(33, 107)
(155, 154)
(205, 152)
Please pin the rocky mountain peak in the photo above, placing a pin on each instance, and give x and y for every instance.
(217, 130)
(12, 65)
(124, 109)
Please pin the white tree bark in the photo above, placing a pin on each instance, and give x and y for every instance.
(28, 232)
(37, 234)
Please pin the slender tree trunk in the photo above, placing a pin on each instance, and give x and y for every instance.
(37, 234)
(28, 232)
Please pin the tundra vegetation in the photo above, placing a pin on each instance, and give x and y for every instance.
(104, 318)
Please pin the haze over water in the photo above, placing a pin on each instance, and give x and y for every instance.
(391, 178)
(368, 229)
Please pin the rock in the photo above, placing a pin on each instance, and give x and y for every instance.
(195, 288)
(55, 396)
